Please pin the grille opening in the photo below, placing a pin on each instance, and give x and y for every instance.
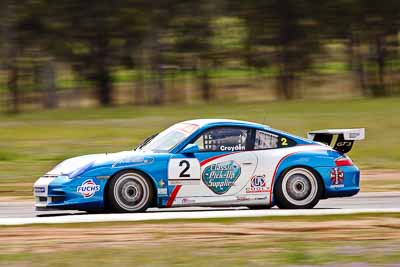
(57, 199)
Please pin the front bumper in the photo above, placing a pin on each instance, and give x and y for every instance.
(60, 192)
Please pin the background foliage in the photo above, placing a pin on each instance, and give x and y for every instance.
(86, 53)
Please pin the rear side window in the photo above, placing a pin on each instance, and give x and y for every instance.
(223, 139)
(267, 140)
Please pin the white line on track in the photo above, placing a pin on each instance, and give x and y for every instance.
(155, 216)
(20, 213)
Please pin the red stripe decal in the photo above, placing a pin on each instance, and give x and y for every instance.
(215, 157)
(173, 195)
(273, 177)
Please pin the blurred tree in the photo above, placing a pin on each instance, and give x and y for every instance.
(282, 33)
(381, 23)
(160, 12)
(150, 50)
(36, 41)
(346, 30)
(10, 51)
(149, 38)
(192, 25)
(370, 29)
(94, 36)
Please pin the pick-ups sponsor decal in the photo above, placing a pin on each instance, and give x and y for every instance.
(220, 177)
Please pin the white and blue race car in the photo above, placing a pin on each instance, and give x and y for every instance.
(208, 162)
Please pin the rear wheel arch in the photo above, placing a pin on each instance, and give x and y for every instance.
(282, 174)
(148, 177)
(310, 168)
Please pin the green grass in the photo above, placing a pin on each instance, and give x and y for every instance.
(31, 143)
(329, 244)
(250, 254)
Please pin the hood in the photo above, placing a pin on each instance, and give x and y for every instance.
(72, 166)
(67, 167)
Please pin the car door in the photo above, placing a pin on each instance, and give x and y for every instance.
(222, 167)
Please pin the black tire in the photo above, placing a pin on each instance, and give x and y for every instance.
(259, 207)
(298, 188)
(129, 191)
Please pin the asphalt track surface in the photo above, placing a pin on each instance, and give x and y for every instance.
(23, 212)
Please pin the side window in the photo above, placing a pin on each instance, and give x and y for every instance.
(266, 140)
(227, 139)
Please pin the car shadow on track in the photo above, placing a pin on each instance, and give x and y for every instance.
(175, 210)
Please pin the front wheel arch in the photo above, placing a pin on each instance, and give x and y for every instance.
(152, 183)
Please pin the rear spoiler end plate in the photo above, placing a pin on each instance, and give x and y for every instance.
(344, 137)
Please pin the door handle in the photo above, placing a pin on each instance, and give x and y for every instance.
(248, 163)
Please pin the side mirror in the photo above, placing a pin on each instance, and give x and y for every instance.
(190, 149)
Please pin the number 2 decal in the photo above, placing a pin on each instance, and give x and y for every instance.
(185, 169)
(284, 141)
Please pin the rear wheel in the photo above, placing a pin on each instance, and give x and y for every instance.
(298, 188)
(129, 192)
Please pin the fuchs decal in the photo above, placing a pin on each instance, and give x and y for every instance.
(88, 188)
(258, 184)
(220, 177)
(337, 178)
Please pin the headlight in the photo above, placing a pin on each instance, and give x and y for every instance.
(80, 170)
(73, 167)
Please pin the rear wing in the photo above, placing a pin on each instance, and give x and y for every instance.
(344, 138)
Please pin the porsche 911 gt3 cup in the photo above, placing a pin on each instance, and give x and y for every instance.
(208, 162)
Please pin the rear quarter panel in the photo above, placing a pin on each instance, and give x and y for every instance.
(322, 161)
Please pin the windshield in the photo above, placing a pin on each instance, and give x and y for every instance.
(169, 138)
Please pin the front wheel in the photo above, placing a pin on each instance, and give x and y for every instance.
(129, 192)
(298, 188)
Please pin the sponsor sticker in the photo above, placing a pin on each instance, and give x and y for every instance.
(242, 198)
(184, 182)
(133, 160)
(238, 147)
(162, 191)
(220, 177)
(88, 188)
(188, 201)
(258, 184)
(354, 135)
(337, 178)
(40, 189)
